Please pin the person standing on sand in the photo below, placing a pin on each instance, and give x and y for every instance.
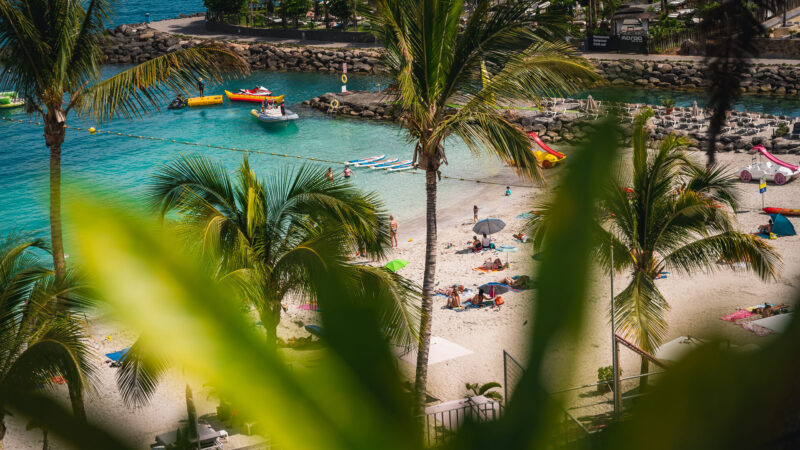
(475, 214)
(393, 230)
(329, 174)
(201, 86)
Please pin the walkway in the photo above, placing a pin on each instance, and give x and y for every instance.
(657, 57)
(195, 27)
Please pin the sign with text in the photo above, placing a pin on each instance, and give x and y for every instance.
(624, 43)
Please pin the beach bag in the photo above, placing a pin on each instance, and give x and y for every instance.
(499, 301)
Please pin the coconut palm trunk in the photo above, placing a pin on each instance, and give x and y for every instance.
(429, 278)
(54, 131)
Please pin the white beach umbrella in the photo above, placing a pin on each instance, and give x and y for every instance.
(677, 348)
(778, 323)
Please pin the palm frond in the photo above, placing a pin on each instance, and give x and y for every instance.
(139, 375)
(143, 88)
(639, 311)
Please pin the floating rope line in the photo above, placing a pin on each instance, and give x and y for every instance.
(92, 130)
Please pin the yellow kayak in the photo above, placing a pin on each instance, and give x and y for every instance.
(207, 100)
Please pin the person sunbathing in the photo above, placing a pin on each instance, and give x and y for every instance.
(521, 282)
(456, 289)
(479, 298)
(454, 301)
(766, 229)
(492, 265)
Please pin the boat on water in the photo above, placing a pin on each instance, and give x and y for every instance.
(258, 90)
(371, 158)
(203, 101)
(782, 211)
(274, 115)
(372, 163)
(9, 99)
(389, 165)
(252, 97)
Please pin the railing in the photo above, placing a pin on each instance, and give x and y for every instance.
(441, 425)
(672, 40)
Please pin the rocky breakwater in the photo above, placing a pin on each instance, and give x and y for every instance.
(567, 122)
(137, 43)
(775, 79)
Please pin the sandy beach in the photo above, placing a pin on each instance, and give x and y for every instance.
(697, 303)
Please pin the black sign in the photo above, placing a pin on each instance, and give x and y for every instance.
(625, 43)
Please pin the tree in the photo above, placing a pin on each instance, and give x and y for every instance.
(53, 50)
(293, 9)
(435, 63)
(671, 217)
(40, 342)
(344, 10)
(268, 235)
(218, 8)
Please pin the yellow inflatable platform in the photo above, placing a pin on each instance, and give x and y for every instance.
(207, 100)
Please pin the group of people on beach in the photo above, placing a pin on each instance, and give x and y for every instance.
(483, 243)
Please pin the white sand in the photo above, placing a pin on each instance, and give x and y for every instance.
(697, 304)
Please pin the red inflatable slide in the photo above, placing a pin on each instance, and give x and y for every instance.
(544, 146)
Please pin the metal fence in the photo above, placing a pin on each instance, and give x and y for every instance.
(441, 425)
(671, 40)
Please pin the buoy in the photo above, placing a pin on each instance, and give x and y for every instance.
(409, 239)
(344, 79)
(334, 103)
(92, 130)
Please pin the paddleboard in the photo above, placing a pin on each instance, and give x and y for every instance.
(372, 163)
(371, 158)
(782, 211)
(390, 165)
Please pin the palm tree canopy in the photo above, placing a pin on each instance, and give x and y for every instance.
(668, 213)
(270, 236)
(38, 339)
(49, 48)
(436, 62)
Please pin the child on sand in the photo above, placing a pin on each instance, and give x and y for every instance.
(508, 191)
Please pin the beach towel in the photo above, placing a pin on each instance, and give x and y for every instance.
(757, 329)
(481, 269)
(512, 289)
(118, 356)
(739, 314)
(526, 215)
(507, 248)
(309, 307)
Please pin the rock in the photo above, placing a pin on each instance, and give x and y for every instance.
(146, 36)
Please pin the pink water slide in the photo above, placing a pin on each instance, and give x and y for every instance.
(544, 146)
(772, 158)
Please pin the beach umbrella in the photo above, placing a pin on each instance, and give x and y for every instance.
(695, 109)
(494, 289)
(778, 324)
(781, 225)
(591, 105)
(396, 264)
(677, 348)
(488, 226)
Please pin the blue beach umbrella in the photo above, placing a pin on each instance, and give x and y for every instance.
(488, 226)
(781, 225)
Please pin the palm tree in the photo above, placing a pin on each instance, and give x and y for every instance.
(268, 237)
(272, 238)
(51, 51)
(435, 63)
(38, 340)
(669, 214)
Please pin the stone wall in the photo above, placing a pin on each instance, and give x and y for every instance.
(561, 127)
(310, 35)
(767, 48)
(687, 75)
(131, 44)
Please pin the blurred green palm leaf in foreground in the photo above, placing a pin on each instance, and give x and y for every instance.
(353, 399)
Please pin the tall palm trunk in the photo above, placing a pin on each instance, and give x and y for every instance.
(327, 18)
(643, 369)
(54, 130)
(421, 380)
(270, 318)
(45, 441)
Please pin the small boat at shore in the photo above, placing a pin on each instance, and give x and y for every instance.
(274, 115)
(9, 99)
(782, 211)
(371, 158)
(252, 97)
(390, 165)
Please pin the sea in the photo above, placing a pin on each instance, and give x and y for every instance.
(133, 11)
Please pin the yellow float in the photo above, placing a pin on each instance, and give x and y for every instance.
(207, 100)
(344, 79)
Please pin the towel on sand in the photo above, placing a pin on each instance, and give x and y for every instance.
(309, 307)
(757, 329)
(481, 269)
(740, 314)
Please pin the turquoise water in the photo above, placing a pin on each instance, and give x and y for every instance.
(124, 164)
(132, 11)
